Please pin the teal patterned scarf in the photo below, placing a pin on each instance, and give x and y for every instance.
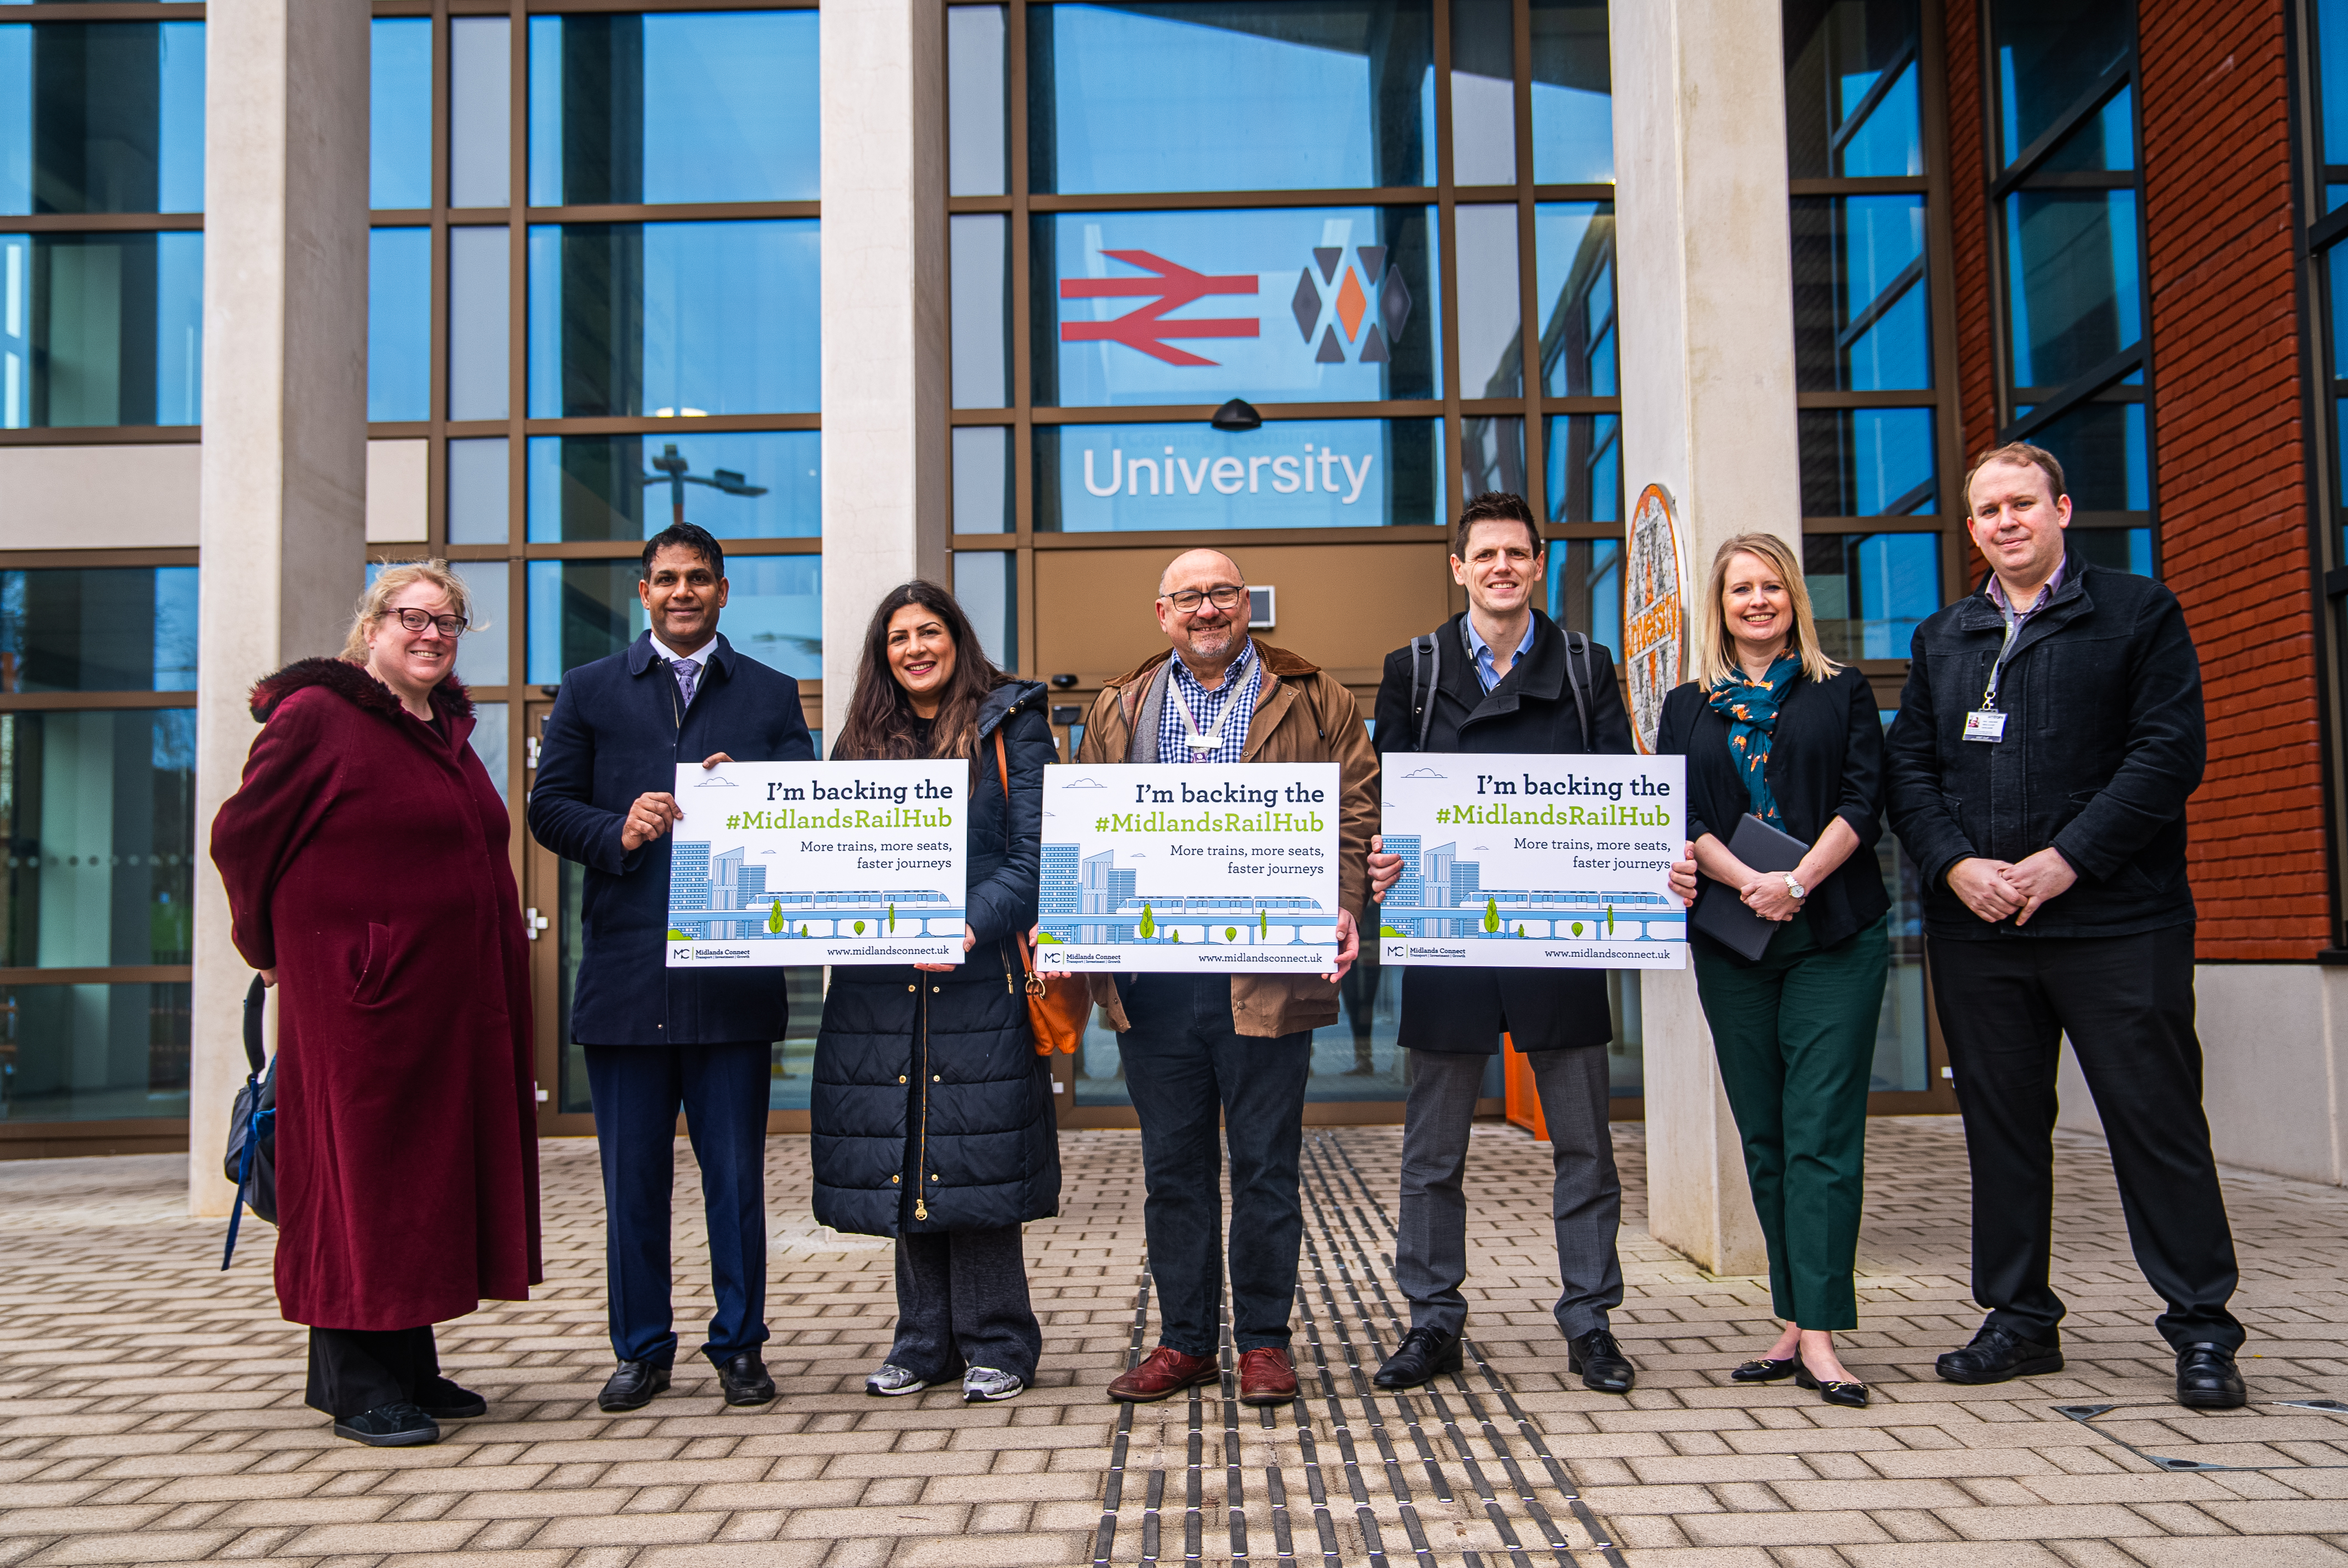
(1751, 709)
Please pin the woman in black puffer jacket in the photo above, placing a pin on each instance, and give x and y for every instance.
(932, 1114)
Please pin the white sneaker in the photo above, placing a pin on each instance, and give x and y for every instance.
(893, 1380)
(985, 1385)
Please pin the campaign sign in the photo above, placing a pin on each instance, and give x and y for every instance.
(818, 863)
(1154, 867)
(1534, 862)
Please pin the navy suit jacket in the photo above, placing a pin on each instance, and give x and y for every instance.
(615, 732)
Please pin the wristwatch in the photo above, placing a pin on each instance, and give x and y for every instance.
(1795, 888)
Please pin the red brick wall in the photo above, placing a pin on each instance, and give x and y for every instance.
(2230, 464)
(1969, 239)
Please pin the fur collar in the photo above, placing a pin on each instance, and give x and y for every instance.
(354, 685)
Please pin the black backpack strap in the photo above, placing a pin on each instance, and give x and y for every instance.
(1422, 709)
(255, 998)
(1577, 675)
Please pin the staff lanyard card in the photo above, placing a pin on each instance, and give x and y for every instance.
(1988, 725)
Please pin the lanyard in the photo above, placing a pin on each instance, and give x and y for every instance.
(1200, 739)
(1997, 670)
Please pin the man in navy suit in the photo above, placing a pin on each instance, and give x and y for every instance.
(657, 1040)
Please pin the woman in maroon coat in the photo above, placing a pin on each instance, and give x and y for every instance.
(366, 868)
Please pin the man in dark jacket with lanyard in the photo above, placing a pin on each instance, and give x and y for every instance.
(2048, 738)
(658, 1038)
(1501, 678)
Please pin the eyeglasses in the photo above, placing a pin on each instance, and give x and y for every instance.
(1188, 599)
(417, 620)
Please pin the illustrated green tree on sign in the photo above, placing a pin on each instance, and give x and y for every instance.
(1148, 927)
(1491, 915)
(1231, 933)
(775, 919)
(1521, 929)
(860, 928)
(1577, 927)
(803, 930)
(893, 919)
(1610, 919)
(1263, 925)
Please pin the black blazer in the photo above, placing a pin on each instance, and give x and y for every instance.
(1531, 711)
(1826, 760)
(614, 733)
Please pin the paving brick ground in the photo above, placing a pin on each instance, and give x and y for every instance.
(150, 1407)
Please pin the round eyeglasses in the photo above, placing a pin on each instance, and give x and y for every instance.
(450, 626)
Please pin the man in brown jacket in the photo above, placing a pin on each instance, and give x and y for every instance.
(1195, 1045)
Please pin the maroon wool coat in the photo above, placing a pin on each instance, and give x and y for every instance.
(366, 861)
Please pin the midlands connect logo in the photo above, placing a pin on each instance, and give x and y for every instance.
(1357, 302)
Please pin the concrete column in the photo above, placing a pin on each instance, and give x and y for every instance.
(1706, 306)
(884, 317)
(283, 491)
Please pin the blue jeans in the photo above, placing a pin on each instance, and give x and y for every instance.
(1184, 1063)
(722, 1089)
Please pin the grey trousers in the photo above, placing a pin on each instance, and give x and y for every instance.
(1431, 1251)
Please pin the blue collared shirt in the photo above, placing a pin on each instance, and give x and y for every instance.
(1236, 696)
(1481, 651)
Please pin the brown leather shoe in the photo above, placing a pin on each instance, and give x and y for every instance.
(1164, 1371)
(1266, 1377)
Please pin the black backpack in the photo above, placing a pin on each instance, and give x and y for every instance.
(1430, 647)
(252, 1162)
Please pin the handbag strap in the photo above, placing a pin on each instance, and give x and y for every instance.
(1019, 938)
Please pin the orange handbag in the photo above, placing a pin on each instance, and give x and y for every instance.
(1057, 1008)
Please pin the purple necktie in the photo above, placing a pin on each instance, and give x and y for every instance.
(685, 670)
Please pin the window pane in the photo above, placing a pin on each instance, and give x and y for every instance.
(2048, 53)
(399, 324)
(982, 479)
(758, 485)
(977, 122)
(1584, 455)
(1573, 245)
(478, 491)
(1323, 305)
(2105, 143)
(1867, 462)
(1833, 128)
(1483, 93)
(1573, 106)
(1300, 474)
(2120, 549)
(1200, 95)
(480, 100)
(1859, 323)
(2071, 281)
(399, 112)
(479, 321)
(1585, 589)
(586, 610)
(100, 329)
(981, 309)
(1491, 317)
(491, 740)
(672, 319)
(713, 107)
(93, 1053)
(113, 628)
(99, 809)
(1493, 456)
(1902, 1043)
(1869, 591)
(986, 584)
(108, 117)
(2330, 22)
(2106, 461)
(481, 651)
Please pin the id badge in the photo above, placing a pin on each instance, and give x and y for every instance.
(1988, 725)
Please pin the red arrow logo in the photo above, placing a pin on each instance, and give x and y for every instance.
(1173, 287)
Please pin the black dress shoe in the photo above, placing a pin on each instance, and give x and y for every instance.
(1766, 1370)
(400, 1426)
(445, 1402)
(1601, 1362)
(1996, 1355)
(1851, 1394)
(632, 1387)
(2207, 1381)
(744, 1380)
(1424, 1352)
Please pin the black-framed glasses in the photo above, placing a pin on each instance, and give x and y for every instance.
(1188, 599)
(450, 626)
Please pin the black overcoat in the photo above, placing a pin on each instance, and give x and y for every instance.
(618, 730)
(930, 1082)
(1531, 710)
(1826, 760)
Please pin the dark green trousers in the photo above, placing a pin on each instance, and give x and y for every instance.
(1795, 1037)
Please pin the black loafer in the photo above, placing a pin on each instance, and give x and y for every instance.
(632, 1387)
(445, 1402)
(1765, 1370)
(1996, 1355)
(400, 1426)
(1424, 1353)
(744, 1379)
(2207, 1379)
(1851, 1394)
(1601, 1362)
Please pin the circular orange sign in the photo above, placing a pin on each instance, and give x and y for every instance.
(1654, 619)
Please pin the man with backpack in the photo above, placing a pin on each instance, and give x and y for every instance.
(1499, 678)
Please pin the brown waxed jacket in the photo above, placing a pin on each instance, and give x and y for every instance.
(1303, 714)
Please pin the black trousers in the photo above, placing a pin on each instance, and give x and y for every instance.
(962, 1301)
(355, 1370)
(2127, 1004)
